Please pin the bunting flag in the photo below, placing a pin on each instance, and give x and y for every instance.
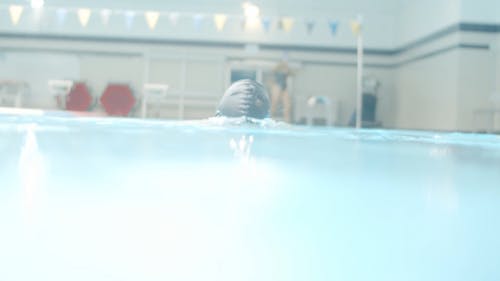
(333, 24)
(251, 24)
(220, 21)
(174, 18)
(266, 24)
(15, 12)
(129, 19)
(105, 15)
(84, 16)
(197, 21)
(152, 19)
(286, 24)
(310, 24)
(37, 9)
(61, 15)
(356, 27)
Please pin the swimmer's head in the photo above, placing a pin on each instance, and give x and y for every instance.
(245, 98)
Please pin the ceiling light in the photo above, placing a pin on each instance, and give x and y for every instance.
(37, 4)
(251, 10)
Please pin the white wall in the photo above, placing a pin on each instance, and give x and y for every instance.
(447, 90)
(475, 87)
(37, 69)
(100, 70)
(388, 24)
(339, 84)
(205, 76)
(427, 93)
(439, 92)
(197, 91)
(417, 19)
(496, 72)
(482, 11)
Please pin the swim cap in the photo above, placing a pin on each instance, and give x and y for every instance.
(245, 98)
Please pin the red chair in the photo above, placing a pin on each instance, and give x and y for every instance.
(78, 98)
(118, 100)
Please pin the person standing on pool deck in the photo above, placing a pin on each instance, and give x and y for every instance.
(279, 91)
(246, 98)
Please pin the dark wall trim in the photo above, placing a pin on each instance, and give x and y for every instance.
(405, 62)
(427, 39)
(347, 64)
(82, 52)
(476, 27)
(124, 40)
(467, 27)
(296, 48)
(442, 51)
(193, 43)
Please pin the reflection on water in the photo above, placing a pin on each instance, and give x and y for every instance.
(242, 148)
(31, 166)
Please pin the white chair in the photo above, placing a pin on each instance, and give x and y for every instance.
(12, 92)
(319, 108)
(486, 119)
(60, 90)
(152, 92)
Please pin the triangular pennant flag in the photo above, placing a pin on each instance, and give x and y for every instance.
(129, 19)
(197, 21)
(61, 15)
(84, 16)
(310, 24)
(15, 12)
(333, 24)
(174, 18)
(105, 15)
(356, 27)
(287, 24)
(152, 19)
(251, 23)
(220, 21)
(266, 24)
(37, 10)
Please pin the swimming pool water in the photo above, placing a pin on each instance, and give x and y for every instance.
(121, 199)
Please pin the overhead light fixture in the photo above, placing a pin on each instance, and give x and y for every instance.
(37, 4)
(252, 15)
(251, 10)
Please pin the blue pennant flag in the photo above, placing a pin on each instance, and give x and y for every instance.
(197, 21)
(266, 24)
(310, 24)
(334, 24)
(61, 16)
(129, 19)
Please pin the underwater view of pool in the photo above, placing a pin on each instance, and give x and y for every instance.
(123, 199)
